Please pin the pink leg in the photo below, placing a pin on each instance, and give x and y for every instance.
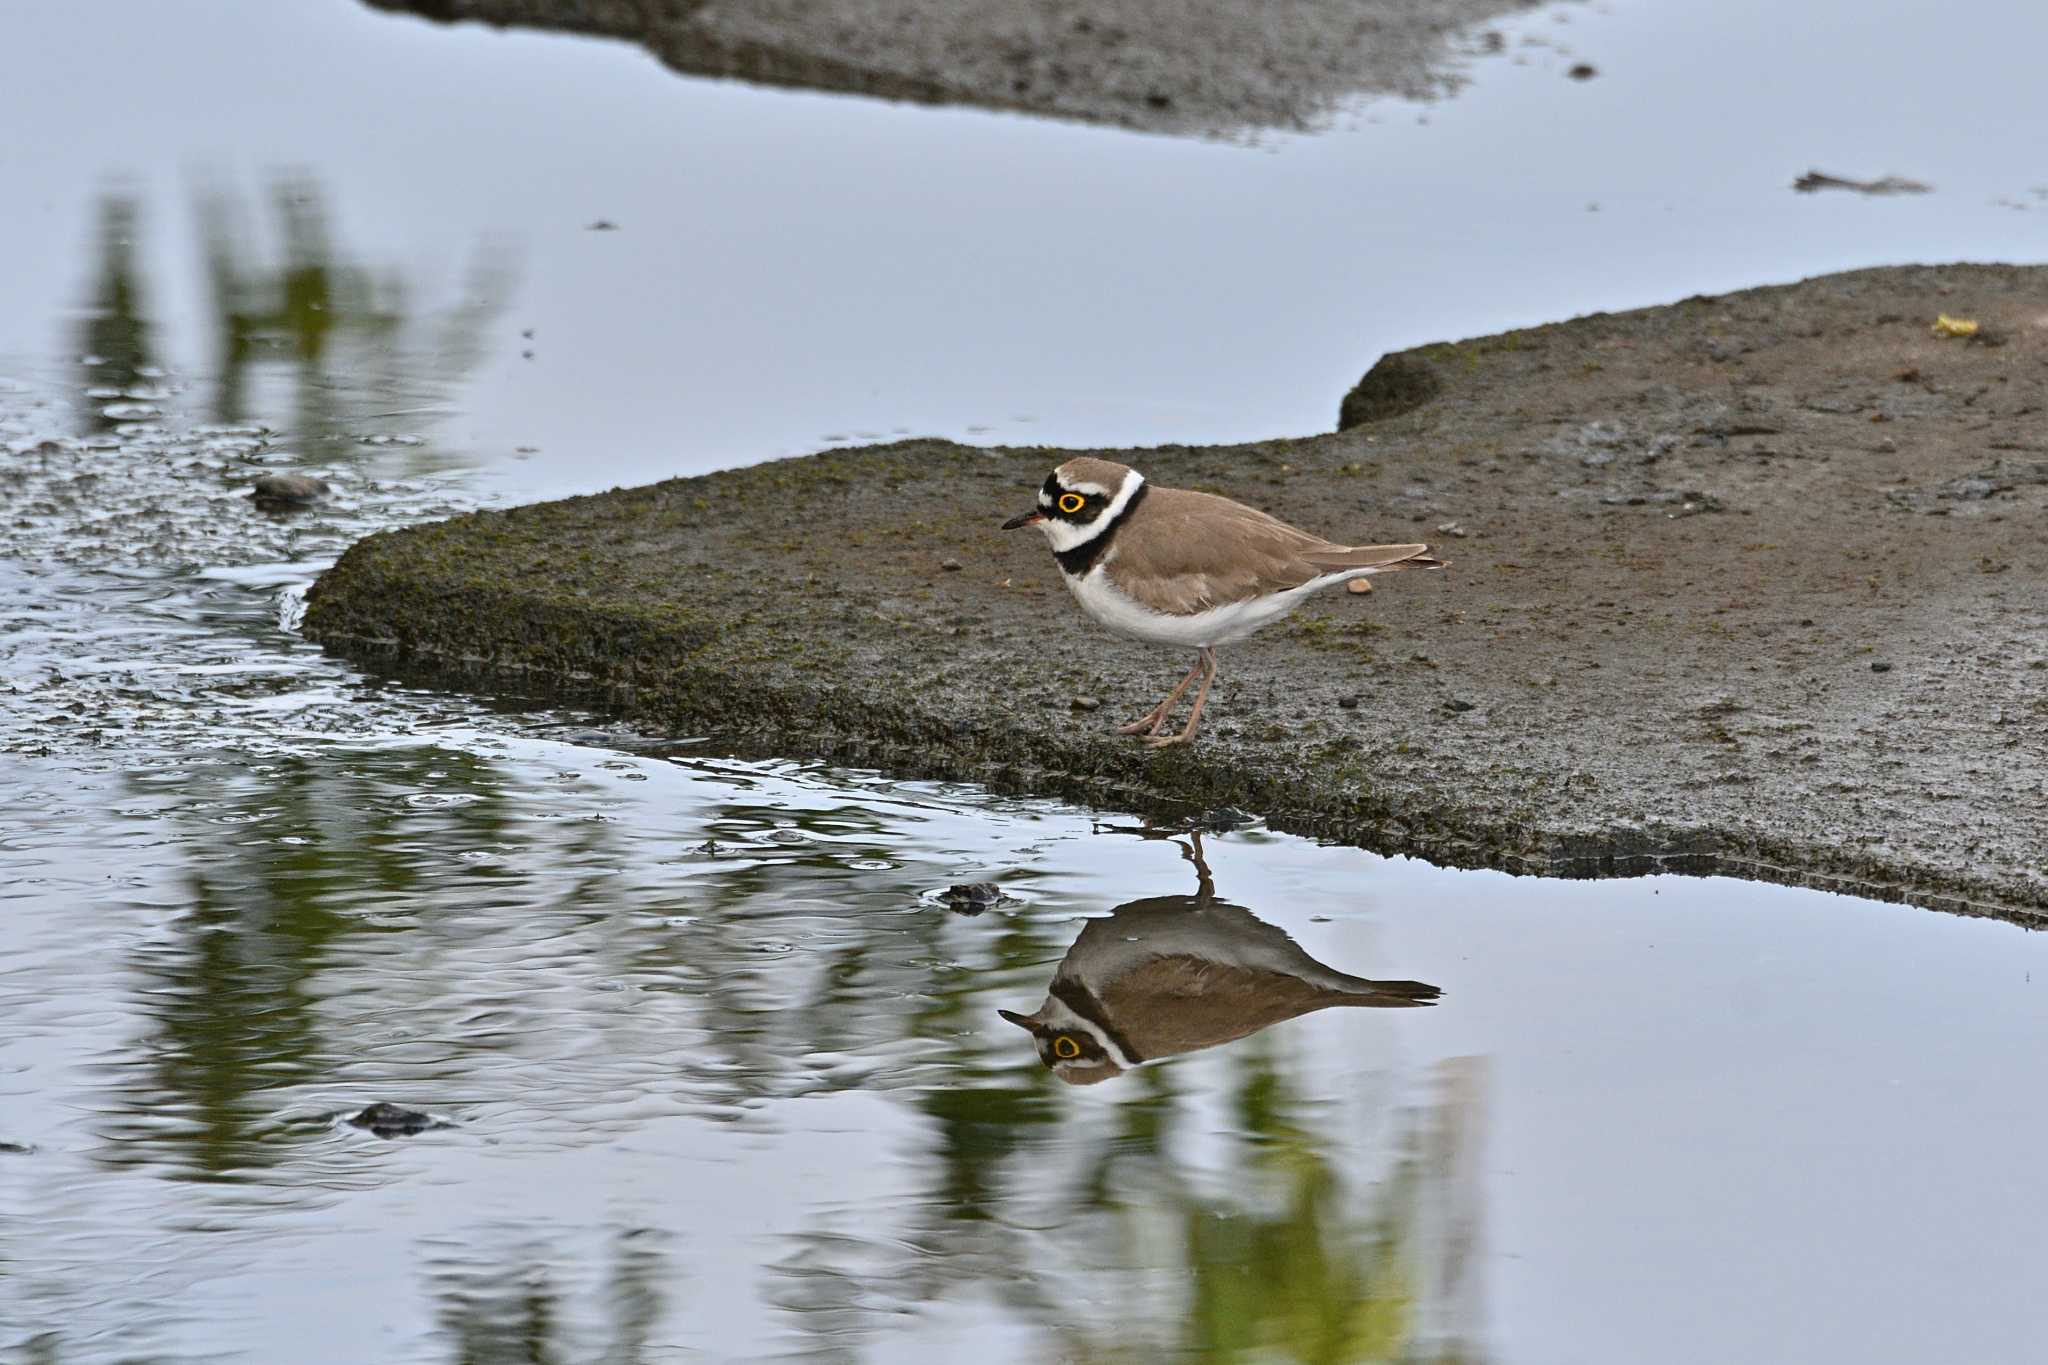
(1195, 716)
(1149, 723)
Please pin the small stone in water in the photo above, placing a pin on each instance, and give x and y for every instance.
(1457, 704)
(391, 1120)
(287, 490)
(1085, 703)
(971, 898)
(1880, 666)
(951, 565)
(1349, 703)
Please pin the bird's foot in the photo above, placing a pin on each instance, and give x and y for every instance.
(1168, 741)
(1144, 725)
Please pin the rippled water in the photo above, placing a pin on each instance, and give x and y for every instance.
(706, 1062)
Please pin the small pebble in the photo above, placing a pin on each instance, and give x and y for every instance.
(392, 1120)
(1880, 666)
(1457, 704)
(1348, 703)
(951, 565)
(1583, 71)
(1084, 703)
(288, 490)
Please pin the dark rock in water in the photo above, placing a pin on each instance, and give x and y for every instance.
(1398, 383)
(393, 1121)
(16, 1148)
(288, 490)
(971, 898)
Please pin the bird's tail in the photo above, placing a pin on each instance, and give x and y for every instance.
(1387, 994)
(1375, 558)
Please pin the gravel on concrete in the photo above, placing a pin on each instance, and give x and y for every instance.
(1181, 66)
(1753, 584)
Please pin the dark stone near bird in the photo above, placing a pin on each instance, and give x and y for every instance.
(16, 1149)
(394, 1121)
(1348, 702)
(288, 490)
(1458, 704)
(971, 898)
(951, 565)
(1396, 384)
(1583, 71)
(1880, 666)
(1085, 703)
(735, 606)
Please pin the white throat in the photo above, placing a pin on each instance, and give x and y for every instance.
(1067, 536)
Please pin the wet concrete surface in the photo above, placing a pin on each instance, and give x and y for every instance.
(1750, 584)
(1178, 66)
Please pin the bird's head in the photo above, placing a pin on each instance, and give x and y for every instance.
(1079, 499)
(1070, 1049)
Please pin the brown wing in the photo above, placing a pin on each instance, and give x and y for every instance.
(1181, 1004)
(1192, 551)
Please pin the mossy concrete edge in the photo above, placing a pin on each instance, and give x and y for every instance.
(857, 606)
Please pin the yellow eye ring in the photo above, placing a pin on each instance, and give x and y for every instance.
(1071, 503)
(1066, 1049)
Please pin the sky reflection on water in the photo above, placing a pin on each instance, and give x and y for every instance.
(723, 1075)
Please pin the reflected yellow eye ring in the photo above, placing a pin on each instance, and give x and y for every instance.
(1066, 1049)
(1071, 503)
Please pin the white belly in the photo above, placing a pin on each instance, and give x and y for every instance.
(1199, 630)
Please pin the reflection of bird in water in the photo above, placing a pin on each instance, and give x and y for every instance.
(1173, 974)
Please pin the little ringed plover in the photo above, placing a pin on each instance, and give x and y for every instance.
(1171, 566)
